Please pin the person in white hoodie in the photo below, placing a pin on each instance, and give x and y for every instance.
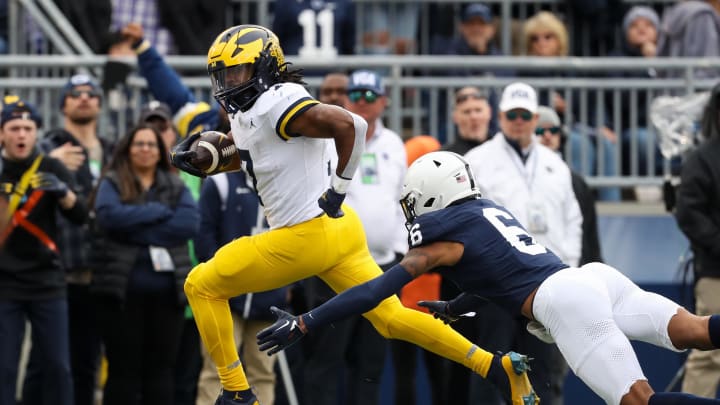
(515, 170)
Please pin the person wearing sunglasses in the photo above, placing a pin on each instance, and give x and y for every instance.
(533, 182)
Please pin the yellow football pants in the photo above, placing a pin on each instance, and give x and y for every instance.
(333, 249)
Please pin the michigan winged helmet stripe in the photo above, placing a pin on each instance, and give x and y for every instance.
(292, 112)
(243, 62)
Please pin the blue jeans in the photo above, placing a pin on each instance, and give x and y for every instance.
(49, 321)
(583, 148)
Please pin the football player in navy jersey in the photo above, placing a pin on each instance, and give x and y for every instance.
(591, 312)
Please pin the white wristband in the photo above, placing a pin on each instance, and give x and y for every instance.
(339, 184)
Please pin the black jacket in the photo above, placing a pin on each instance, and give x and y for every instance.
(120, 254)
(74, 241)
(29, 268)
(698, 206)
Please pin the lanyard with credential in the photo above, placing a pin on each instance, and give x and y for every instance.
(21, 188)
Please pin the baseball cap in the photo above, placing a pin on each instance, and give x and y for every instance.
(155, 109)
(366, 80)
(519, 95)
(477, 10)
(15, 108)
(547, 115)
(78, 80)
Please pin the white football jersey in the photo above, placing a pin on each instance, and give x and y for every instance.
(289, 171)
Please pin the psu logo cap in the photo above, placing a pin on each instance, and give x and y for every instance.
(519, 95)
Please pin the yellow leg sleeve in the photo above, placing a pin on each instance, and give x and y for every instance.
(215, 324)
(395, 321)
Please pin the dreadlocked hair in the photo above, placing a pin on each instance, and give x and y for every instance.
(288, 75)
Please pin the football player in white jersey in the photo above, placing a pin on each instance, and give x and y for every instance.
(286, 139)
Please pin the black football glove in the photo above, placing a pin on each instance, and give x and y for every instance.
(440, 310)
(181, 155)
(330, 202)
(284, 333)
(49, 183)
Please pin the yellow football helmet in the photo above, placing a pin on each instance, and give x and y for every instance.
(243, 62)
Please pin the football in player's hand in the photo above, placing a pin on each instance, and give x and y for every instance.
(214, 151)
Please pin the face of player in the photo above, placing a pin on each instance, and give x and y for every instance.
(18, 138)
(472, 118)
(144, 150)
(519, 125)
(82, 104)
(333, 90)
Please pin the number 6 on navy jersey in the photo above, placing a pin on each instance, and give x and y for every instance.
(515, 235)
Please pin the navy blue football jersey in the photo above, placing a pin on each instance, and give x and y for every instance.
(501, 261)
(315, 28)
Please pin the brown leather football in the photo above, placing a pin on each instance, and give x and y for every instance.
(214, 151)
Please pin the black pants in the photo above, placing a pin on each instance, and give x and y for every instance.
(141, 343)
(85, 349)
(85, 343)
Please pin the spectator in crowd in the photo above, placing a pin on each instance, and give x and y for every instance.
(698, 215)
(477, 33)
(229, 209)
(533, 183)
(35, 187)
(477, 38)
(84, 152)
(144, 218)
(425, 287)
(471, 114)
(546, 36)
(389, 28)
(691, 29)
(192, 24)
(300, 26)
(189, 362)
(146, 14)
(551, 134)
(640, 28)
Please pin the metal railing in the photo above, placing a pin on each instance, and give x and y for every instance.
(419, 103)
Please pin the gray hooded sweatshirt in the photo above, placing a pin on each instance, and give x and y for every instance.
(690, 29)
